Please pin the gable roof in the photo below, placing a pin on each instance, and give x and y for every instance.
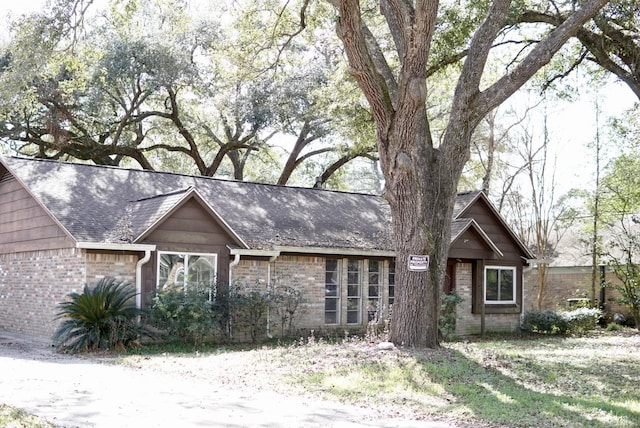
(465, 200)
(105, 204)
(97, 204)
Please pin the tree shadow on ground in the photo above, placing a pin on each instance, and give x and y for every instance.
(485, 393)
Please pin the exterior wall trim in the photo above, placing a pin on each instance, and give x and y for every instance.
(114, 246)
(335, 251)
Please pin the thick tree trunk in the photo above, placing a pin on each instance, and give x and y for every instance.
(421, 180)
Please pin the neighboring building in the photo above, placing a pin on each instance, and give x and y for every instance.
(63, 225)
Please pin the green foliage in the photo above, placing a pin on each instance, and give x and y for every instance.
(448, 314)
(549, 322)
(186, 315)
(248, 310)
(189, 315)
(102, 317)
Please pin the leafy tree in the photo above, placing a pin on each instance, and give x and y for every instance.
(101, 317)
(621, 212)
(148, 82)
(610, 41)
(421, 175)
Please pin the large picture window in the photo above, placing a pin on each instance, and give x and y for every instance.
(332, 291)
(500, 284)
(187, 269)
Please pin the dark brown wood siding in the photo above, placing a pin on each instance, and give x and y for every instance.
(24, 224)
(512, 256)
(470, 245)
(493, 227)
(192, 229)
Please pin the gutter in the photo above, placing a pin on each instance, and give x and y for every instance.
(141, 262)
(114, 246)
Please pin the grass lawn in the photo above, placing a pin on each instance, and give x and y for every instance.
(588, 381)
(511, 381)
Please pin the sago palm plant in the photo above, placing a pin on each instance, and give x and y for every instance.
(102, 317)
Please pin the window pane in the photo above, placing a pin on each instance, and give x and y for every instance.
(202, 270)
(492, 284)
(353, 290)
(331, 290)
(506, 285)
(373, 291)
(353, 278)
(331, 265)
(171, 270)
(330, 304)
(352, 317)
(330, 318)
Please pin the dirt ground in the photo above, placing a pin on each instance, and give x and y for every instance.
(88, 392)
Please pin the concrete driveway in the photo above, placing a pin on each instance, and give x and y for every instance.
(79, 392)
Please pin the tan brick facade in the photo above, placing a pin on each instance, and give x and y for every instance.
(470, 323)
(32, 284)
(564, 283)
(308, 274)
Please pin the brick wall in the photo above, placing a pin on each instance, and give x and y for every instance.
(564, 283)
(307, 273)
(120, 266)
(470, 323)
(31, 286)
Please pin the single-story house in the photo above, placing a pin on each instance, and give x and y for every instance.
(63, 225)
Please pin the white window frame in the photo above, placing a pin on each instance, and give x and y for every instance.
(355, 298)
(514, 285)
(185, 268)
(337, 298)
(374, 303)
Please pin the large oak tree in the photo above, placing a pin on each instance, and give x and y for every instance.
(421, 174)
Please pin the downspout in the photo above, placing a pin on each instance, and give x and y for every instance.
(271, 260)
(234, 262)
(141, 262)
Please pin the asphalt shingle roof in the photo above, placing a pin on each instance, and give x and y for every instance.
(103, 204)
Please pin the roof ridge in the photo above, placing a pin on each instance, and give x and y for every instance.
(197, 177)
(162, 195)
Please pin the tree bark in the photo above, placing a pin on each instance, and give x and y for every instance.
(420, 179)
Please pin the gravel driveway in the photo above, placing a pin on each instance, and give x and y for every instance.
(82, 392)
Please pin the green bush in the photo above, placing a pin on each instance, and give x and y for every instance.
(582, 319)
(548, 322)
(447, 321)
(102, 317)
(186, 315)
(248, 309)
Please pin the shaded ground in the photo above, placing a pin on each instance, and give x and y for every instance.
(83, 392)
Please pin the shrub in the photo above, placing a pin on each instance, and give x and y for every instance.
(186, 315)
(102, 317)
(248, 310)
(548, 322)
(582, 319)
(447, 321)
